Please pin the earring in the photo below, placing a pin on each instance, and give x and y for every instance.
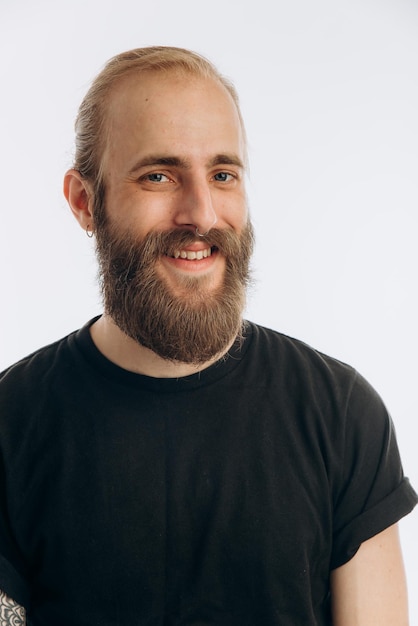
(89, 232)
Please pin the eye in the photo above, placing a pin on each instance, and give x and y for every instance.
(223, 177)
(156, 177)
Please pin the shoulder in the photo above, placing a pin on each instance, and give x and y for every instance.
(270, 339)
(316, 379)
(282, 351)
(44, 361)
(33, 366)
(32, 394)
(37, 376)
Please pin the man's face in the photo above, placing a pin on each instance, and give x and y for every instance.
(174, 163)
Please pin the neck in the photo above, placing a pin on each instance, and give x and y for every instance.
(131, 356)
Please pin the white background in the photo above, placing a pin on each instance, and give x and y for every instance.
(329, 92)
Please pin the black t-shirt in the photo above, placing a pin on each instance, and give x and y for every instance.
(221, 498)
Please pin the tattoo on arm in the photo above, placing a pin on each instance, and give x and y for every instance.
(11, 613)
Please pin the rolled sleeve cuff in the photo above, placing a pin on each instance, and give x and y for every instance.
(371, 522)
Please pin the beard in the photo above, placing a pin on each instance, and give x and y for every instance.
(192, 327)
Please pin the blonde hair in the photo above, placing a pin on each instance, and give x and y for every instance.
(90, 124)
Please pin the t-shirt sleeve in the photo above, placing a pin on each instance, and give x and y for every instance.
(12, 583)
(372, 493)
(13, 579)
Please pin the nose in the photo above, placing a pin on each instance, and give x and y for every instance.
(196, 210)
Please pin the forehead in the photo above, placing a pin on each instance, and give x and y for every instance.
(141, 93)
(159, 111)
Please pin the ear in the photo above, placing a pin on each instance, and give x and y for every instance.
(80, 198)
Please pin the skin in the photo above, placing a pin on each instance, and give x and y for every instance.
(370, 590)
(174, 159)
(11, 613)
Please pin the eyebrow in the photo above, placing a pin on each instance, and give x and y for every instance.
(226, 159)
(173, 161)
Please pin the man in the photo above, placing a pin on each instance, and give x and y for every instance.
(168, 463)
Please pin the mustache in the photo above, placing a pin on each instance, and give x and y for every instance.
(128, 256)
(168, 242)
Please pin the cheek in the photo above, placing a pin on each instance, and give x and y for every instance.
(235, 213)
(138, 213)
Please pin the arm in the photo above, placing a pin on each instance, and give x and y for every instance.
(11, 613)
(370, 590)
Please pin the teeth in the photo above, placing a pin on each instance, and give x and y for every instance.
(191, 255)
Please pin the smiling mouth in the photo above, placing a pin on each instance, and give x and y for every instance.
(193, 255)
